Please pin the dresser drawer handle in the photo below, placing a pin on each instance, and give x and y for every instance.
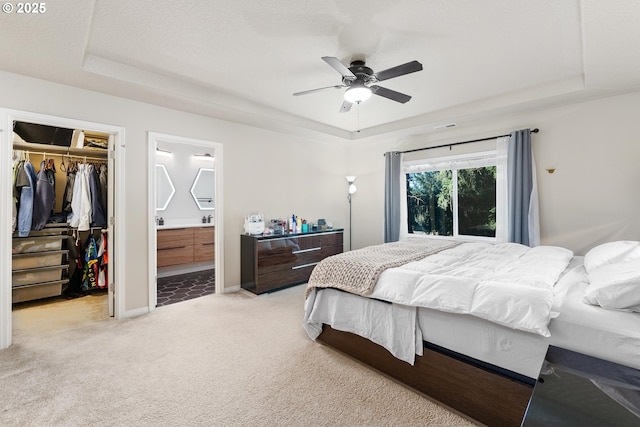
(172, 247)
(306, 250)
(304, 266)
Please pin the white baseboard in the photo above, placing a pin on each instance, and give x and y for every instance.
(231, 289)
(135, 313)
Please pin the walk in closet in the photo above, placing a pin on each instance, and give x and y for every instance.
(60, 213)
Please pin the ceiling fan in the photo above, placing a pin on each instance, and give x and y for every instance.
(360, 81)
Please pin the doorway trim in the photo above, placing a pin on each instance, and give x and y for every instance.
(117, 254)
(152, 143)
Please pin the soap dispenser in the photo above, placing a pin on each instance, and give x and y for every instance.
(204, 219)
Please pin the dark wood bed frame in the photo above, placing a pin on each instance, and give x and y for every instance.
(469, 387)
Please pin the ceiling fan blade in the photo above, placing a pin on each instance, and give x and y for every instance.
(346, 106)
(339, 67)
(390, 94)
(304, 92)
(400, 70)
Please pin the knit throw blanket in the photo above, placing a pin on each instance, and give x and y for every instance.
(357, 271)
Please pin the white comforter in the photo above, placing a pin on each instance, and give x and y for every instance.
(506, 283)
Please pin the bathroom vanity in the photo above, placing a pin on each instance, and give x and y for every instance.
(184, 245)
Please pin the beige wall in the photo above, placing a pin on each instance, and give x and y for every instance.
(263, 170)
(591, 198)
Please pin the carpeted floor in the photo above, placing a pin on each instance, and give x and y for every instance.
(183, 287)
(218, 360)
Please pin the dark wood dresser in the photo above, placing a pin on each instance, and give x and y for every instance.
(269, 263)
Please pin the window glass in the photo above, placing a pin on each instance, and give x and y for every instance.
(429, 204)
(458, 198)
(477, 202)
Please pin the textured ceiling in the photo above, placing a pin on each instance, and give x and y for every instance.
(242, 60)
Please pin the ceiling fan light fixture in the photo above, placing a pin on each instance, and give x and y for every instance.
(356, 94)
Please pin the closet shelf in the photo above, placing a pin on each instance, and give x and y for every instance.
(46, 148)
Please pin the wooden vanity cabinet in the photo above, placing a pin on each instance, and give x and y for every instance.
(203, 244)
(180, 246)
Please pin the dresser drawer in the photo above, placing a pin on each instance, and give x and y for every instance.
(305, 257)
(294, 245)
(276, 279)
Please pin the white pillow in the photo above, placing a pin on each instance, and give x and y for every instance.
(611, 253)
(615, 286)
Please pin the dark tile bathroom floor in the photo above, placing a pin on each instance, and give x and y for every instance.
(183, 287)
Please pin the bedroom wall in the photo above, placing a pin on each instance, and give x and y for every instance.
(592, 196)
(267, 171)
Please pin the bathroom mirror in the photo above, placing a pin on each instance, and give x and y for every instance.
(165, 189)
(203, 189)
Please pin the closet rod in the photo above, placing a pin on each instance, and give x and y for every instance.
(536, 130)
(70, 156)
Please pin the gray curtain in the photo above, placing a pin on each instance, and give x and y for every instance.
(520, 185)
(392, 196)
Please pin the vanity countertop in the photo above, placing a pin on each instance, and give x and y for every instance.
(174, 226)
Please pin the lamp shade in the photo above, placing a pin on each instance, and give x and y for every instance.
(357, 93)
(352, 187)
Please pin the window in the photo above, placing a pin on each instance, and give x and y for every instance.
(454, 196)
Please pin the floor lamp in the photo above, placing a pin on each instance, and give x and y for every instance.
(352, 189)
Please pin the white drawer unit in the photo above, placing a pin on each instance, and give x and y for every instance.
(39, 264)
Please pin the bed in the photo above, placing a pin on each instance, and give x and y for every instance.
(469, 323)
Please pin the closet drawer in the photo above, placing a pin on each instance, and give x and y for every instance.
(37, 291)
(37, 275)
(37, 259)
(23, 245)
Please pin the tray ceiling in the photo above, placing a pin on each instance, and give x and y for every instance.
(242, 61)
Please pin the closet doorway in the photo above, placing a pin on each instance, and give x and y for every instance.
(41, 267)
(185, 212)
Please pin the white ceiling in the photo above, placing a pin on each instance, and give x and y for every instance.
(242, 60)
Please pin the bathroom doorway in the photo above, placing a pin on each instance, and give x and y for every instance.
(185, 227)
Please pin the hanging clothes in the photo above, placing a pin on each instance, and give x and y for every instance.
(68, 189)
(81, 203)
(98, 218)
(76, 267)
(50, 170)
(103, 261)
(27, 184)
(103, 178)
(90, 272)
(43, 199)
(18, 169)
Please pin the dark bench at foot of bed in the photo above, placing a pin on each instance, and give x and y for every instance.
(489, 397)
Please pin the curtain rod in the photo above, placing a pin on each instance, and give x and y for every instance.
(536, 130)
